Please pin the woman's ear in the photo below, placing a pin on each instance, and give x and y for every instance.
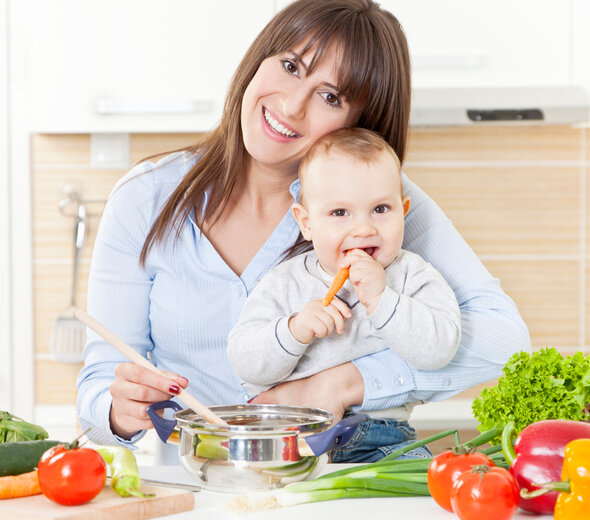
(406, 204)
(302, 218)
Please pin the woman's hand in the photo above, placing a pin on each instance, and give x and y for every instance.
(334, 389)
(133, 390)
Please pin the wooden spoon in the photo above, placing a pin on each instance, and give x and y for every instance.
(137, 358)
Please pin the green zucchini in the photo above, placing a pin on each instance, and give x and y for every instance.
(22, 457)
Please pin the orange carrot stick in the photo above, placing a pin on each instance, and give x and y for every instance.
(23, 485)
(336, 285)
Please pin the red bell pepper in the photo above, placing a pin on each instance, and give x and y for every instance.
(537, 457)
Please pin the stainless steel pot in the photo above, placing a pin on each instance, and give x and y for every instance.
(264, 446)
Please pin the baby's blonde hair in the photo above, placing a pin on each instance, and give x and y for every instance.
(359, 143)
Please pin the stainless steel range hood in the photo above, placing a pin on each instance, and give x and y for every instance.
(499, 105)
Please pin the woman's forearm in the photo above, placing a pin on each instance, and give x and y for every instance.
(334, 389)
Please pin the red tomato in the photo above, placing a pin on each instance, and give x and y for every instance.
(485, 494)
(70, 475)
(444, 470)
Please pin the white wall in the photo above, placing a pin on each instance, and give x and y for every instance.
(15, 214)
(5, 321)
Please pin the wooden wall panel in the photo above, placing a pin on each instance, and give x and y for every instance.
(144, 145)
(55, 383)
(52, 282)
(547, 295)
(53, 232)
(511, 210)
(70, 149)
(494, 143)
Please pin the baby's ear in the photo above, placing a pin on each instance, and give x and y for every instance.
(302, 218)
(406, 204)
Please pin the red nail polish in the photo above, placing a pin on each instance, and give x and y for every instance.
(174, 389)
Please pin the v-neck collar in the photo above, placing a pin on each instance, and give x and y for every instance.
(269, 254)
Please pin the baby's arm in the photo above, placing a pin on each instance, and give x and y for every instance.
(270, 337)
(421, 322)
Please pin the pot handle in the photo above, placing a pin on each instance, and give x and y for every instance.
(333, 437)
(164, 427)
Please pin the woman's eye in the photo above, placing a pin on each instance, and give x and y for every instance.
(382, 208)
(339, 213)
(331, 99)
(289, 67)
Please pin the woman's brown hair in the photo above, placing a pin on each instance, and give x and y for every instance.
(374, 73)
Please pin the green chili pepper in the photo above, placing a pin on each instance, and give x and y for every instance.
(125, 479)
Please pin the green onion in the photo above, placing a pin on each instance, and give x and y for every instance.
(389, 477)
(281, 498)
(417, 444)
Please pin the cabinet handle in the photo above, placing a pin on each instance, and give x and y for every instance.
(121, 106)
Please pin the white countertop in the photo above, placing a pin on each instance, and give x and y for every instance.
(211, 506)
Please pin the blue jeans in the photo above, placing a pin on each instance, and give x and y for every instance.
(376, 438)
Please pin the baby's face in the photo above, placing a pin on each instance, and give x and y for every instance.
(350, 204)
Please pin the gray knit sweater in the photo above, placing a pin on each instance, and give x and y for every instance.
(417, 317)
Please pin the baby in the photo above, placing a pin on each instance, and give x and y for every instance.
(352, 209)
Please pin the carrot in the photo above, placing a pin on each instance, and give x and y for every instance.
(23, 485)
(336, 285)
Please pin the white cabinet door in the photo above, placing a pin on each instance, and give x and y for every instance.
(132, 65)
(581, 44)
(484, 43)
(464, 43)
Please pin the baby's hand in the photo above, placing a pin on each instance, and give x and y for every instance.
(367, 276)
(318, 321)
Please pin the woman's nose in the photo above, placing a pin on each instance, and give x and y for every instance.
(294, 103)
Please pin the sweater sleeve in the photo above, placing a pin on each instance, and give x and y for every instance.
(421, 322)
(261, 349)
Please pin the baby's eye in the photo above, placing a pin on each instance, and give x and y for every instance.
(339, 212)
(290, 67)
(382, 208)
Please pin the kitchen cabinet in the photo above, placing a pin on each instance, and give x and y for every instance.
(136, 65)
(477, 43)
(150, 66)
(581, 43)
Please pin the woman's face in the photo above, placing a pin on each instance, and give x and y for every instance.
(285, 109)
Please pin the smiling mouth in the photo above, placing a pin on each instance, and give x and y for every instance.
(277, 127)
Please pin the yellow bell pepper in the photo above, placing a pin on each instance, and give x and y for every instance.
(575, 503)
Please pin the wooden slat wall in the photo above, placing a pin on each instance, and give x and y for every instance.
(518, 194)
(58, 160)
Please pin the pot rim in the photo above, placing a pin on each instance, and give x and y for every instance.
(304, 420)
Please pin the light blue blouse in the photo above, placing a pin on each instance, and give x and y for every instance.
(179, 310)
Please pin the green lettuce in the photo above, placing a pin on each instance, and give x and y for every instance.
(14, 429)
(541, 385)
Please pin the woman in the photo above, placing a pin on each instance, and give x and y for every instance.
(183, 242)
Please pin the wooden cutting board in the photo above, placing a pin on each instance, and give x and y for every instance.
(106, 506)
